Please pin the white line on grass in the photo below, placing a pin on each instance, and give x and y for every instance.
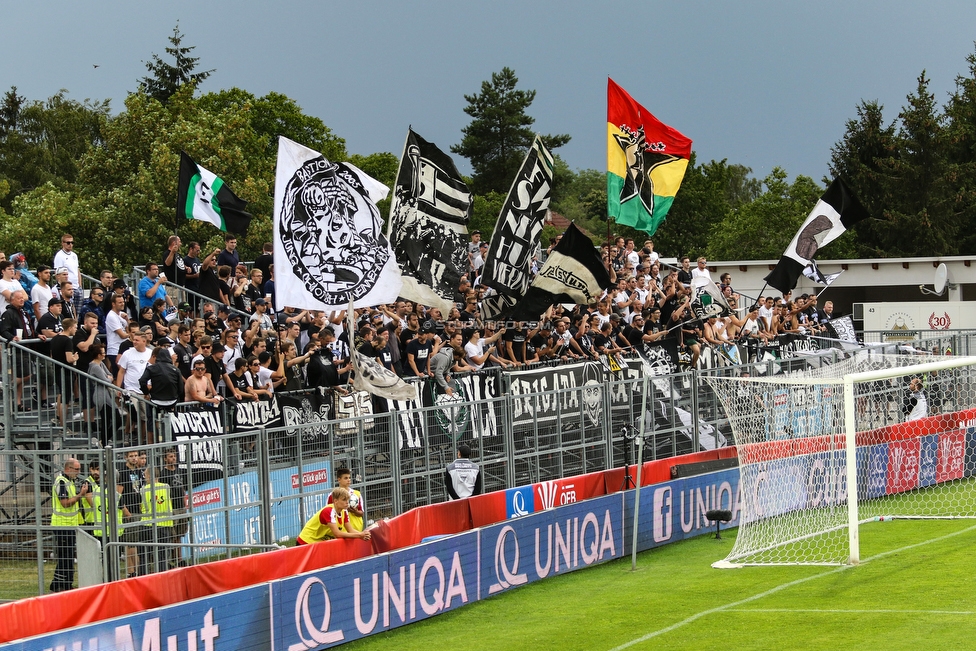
(779, 588)
(845, 611)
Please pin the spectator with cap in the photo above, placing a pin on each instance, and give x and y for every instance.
(119, 288)
(419, 351)
(60, 276)
(50, 324)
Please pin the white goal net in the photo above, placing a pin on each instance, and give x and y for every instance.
(823, 451)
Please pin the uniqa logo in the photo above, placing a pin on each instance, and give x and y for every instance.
(518, 504)
(319, 634)
(507, 577)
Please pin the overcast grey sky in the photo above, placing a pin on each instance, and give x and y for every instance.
(759, 83)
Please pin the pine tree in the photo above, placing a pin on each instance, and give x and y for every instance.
(165, 78)
(500, 132)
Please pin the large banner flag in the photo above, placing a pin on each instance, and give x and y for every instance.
(837, 210)
(203, 196)
(371, 376)
(516, 237)
(573, 273)
(646, 161)
(329, 248)
(707, 299)
(428, 224)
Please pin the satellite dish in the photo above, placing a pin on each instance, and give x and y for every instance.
(941, 276)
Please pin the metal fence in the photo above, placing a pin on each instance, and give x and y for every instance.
(251, 491)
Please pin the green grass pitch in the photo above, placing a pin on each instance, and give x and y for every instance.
(913, 590)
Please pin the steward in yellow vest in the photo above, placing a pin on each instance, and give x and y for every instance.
(65, 516)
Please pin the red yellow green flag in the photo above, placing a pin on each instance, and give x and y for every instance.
(646, 160)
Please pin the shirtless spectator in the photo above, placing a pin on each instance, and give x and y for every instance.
(199, 387)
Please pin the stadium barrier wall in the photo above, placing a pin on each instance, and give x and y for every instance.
(326, 607)
(37, 615)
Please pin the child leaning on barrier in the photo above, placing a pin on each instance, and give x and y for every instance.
(331, 522)
(357, 507)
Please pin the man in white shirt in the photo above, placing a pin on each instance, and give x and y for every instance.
(68, 259)
(132, 363)
(41, 293)
(116, 322)
(7, 284)
(701, 271)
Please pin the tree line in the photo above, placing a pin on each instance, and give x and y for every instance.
(110, 180)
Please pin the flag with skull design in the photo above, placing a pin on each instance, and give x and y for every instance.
(329, 246)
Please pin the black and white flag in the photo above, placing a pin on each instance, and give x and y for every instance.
(516, 237)
(329, 247)
(371, 376)
(428, 224)
(836, 211)
(573, 273)
(707, 299)
(812, 271)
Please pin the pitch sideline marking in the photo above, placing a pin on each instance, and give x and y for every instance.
(780, 588)
(845, 611)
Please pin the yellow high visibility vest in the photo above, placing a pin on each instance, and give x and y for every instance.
(64, 516)
(99, 515)
(158, 495)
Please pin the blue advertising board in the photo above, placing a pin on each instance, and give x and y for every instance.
(232, 620)
(675, 510)
(547, 543)
(210, 524)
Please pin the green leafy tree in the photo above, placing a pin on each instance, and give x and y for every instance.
(863, 159)
(500, 132)
(763, 228)
(165, 78)
(42, 142)
(276, 115)
(960, 150)
(123, 205)
(919, 215)
(383, 167)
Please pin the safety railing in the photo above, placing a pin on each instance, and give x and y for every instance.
(255, 473)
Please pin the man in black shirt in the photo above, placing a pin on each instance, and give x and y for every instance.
(514, 346)
(265, 260)
(173, 264)
(419, 351)
(182, 349)
(50, 322)
(63, 351)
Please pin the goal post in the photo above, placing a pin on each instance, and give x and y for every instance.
(822, 452)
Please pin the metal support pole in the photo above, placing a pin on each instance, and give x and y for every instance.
(640, 464)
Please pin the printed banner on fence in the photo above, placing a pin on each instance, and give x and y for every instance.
(198, 424)
(255, 414)
(547, 394)
(470, 413)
